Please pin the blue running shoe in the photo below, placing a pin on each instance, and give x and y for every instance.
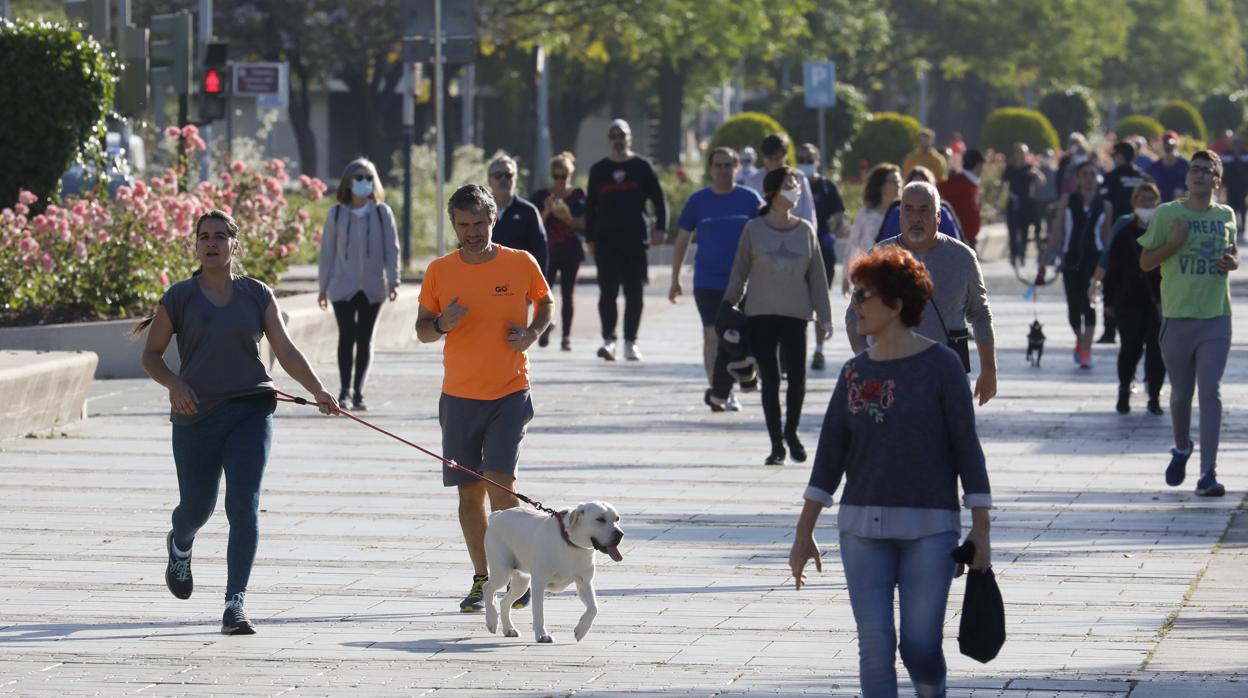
(475, 600)
(1177, 470)
(523, 601)
(1208, 486)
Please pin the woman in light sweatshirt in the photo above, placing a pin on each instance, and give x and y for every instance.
(779, 263)
(359, 268)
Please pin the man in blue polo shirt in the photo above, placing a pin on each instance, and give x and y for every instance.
(716, 215)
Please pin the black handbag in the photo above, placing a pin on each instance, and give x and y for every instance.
(981, 632)
(958, 340)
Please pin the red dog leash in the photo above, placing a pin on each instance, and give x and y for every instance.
(285, 397)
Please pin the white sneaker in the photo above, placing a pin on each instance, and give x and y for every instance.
(733, 404)
(630, 351)
(607, 351)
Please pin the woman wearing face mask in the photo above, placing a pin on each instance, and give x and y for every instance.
(1134, 295)
(222, 403)
(359, 269)
(779, 264)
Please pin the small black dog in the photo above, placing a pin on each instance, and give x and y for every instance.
(1035, 343)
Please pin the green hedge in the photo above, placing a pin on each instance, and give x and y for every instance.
(1071, 109)
(1224, 110)
(885, 137)
(747, 129)
(1139, 125)
(56, 86)
(1181, 116)
(1010, 125)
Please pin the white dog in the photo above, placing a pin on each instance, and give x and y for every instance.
(554, 551)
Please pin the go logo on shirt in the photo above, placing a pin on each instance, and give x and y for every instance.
(503, 290)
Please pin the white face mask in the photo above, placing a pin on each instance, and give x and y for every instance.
(362, 188)
(807, 168)
(792, 195)
(1145, 214)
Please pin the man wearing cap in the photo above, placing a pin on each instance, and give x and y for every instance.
(617, 234)
(1170, 170)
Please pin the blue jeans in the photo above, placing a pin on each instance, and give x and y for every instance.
(234, 438)
(922, 570)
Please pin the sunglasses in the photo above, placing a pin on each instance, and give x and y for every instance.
(363, 178)
(502, 175)
(559, 175)
(860, 295)
(616, 135)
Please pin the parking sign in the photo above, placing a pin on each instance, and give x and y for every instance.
(819, 81)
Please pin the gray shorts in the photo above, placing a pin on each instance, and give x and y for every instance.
(483, 435)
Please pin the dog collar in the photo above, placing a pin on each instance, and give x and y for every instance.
(563, 532)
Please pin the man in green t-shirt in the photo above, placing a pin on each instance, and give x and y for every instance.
(1193, 241)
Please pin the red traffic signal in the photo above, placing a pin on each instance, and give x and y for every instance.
(212, 81)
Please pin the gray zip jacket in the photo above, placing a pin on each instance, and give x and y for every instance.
(359, 253)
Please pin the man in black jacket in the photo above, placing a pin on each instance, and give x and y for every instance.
(519, 223)
(1119, 183)
(618, 234)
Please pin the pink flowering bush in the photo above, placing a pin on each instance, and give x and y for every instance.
(98, 258)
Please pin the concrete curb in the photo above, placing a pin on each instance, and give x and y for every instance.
(43, 390)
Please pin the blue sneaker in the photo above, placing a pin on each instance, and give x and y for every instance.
(1177, 470)
(1208, 486)
(523, 601)
(475, 600)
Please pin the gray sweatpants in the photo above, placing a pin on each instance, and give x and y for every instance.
(1195, 352)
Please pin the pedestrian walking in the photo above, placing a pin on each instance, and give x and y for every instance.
(829, 221)
(1117, 188)
(1078, 151)
(779, 271)
(1021, 211)
(1170, 170)
(959, 297)
(1235, 180)
(563, 214)
(963, 195)
(775, 151)
(891, 225)
(519, 223)
(222, 403)
(927, 156)
(900, 430)
(478, 298)
(1079, 241)
(617, 233)
(882, 189)
(748, 157)
(359, 269)
(1135, 296)
(714, 217)
(1192, 240)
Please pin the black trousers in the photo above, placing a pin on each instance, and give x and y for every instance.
(357, 319)
(767, 333)
(1079, 310)
(1138, 329)
(564, 265)
(1020, 218)
(621, 267)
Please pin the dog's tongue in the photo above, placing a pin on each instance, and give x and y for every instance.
(614, 552)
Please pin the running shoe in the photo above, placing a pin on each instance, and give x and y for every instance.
(1085, 357)
(358, 404)
(817, 362)
(1124, 401)
(1208, 486)
(733, 404)
(178, 572)
(566, 344)
(607, 351)
(1177, 470)
(234, 621)
(1154, 408)
(776, 457)
(475, 600)
(523, 601)
(796, 449)
(631, 352)
(716, 404)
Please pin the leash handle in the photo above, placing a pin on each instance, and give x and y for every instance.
(286, 397)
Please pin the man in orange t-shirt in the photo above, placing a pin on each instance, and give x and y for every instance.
(479, 298)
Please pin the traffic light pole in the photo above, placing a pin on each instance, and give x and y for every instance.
(439, 107)
(205, 35)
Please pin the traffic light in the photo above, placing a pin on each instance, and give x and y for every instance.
(214, 82)
(170, 51)
(93, 15)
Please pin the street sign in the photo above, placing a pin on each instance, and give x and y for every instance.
(819, 81)
(268, 82)
(459, 31)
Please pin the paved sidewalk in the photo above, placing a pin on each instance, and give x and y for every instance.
(1115, 584)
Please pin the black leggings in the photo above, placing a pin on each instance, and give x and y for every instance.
(1139, 326)
(1079, 310)
(789, 334)
(357, 318)
(565, 264)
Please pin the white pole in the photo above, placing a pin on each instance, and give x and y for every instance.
(438, 108)
(542, 153)
(468, 96)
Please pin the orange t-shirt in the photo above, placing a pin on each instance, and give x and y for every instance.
(478, 363)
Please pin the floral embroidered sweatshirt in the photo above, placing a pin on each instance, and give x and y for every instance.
(902, 434)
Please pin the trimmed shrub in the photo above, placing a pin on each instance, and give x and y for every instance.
(885, 137)
(1139, 125)
(842, 122)
(1222, 111)
(1010, 125)
(56, 86)
(1181, 116)
(1071, 109)
(747, 128)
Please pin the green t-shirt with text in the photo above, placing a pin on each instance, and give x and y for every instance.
(1191, 284)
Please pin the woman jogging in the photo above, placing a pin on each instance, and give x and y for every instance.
(900, 430)
(359, 268)
(222, 403)
(779, 271)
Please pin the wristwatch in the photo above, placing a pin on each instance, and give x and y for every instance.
(438, 328)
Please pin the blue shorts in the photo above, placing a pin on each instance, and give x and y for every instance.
(708, 301)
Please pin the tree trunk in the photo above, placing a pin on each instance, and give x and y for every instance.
(576, 100)
(671, 112)
(300, 111)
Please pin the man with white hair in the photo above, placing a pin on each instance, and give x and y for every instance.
(959, 296)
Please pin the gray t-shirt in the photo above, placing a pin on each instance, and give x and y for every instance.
(219, 346)
(784, 272)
